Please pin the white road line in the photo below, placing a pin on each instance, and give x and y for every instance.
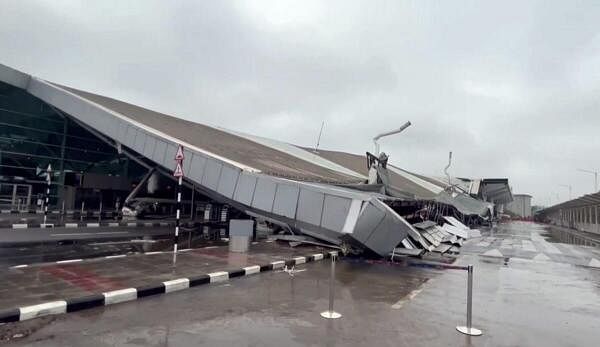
(69, 261)
(550, 248)
(398, 305)
(578, 252)
(528, 246)
(83, 234)
(57, 235)
(116, 256)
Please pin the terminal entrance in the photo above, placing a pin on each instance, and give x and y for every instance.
(15, 196)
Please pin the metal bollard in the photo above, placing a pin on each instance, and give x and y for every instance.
(81, 213)
(468, 329)
(100, 212)
(331, 314)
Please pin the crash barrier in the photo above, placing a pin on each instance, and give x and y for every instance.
(330, 313)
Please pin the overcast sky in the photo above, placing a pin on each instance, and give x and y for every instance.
(512, 88)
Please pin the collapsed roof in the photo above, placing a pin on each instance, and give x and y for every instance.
(320, 194)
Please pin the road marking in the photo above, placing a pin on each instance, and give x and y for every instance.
(56, 235)
(19, 266)
(528, 246)
(550, 248)
(541, 257)
(115, 256)
(575, 250)
(83, 234)
(494, 253)
(69, 261)
(398, 305)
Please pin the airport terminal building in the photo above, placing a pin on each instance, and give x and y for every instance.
(105, 153)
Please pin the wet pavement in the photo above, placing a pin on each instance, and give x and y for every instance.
(529, 241)
(518, 301)
(41, 283)
(18, 247)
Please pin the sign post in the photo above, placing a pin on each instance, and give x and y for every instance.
(48, 178)
(179, 174)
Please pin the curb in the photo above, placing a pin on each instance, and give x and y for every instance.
(130, 294)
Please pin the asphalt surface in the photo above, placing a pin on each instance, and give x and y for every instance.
(36, 235)
(42, 283)
(518, 301)
(33, 246)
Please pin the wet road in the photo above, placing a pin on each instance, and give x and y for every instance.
(518, 302)
(30, 246)
(23, 236)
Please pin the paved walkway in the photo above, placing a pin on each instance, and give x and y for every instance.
(39, 284)
(524, 303)
(526, 240)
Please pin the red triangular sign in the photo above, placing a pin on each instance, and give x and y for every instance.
(178, 171)
(179, 155)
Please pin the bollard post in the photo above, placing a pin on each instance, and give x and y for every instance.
(100, 212)
(468, 329)
(331, 314)
(81, 213)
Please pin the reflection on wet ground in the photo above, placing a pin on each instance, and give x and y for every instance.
(526, 301)
(83, 249)
(568, 236)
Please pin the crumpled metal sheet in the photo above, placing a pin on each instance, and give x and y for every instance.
(465, 204)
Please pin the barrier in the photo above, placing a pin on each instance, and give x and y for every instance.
(331, 314)
(468, 329)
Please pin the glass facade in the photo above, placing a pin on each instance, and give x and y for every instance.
(33, 135)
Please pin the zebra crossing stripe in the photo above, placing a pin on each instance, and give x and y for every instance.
(493, 253)
(541, 257)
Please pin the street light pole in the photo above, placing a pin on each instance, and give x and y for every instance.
(392, 132)
(595, 178)
(570, 189)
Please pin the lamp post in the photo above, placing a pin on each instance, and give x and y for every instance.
(388, 133)
(570, 189)
(595, 177)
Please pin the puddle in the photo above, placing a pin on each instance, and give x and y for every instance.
(568, 237)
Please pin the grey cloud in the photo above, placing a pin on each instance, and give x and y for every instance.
(511, 87)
